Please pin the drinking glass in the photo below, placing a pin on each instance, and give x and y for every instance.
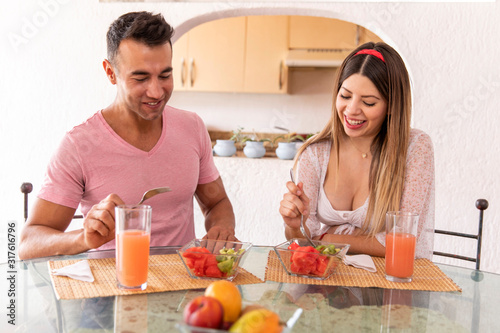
(133, 233)
(400, 241)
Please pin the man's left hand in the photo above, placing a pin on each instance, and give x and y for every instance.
(220, 233)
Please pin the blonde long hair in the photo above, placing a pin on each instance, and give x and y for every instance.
(389, 148)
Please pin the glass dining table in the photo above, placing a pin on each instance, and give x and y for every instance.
(36, 308)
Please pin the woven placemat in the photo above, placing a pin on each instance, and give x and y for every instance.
(426, 276)
(166, 273)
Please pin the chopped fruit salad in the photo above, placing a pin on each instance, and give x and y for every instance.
(311, 260)
(205, 264)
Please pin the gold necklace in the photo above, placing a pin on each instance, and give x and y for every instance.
(363, 154)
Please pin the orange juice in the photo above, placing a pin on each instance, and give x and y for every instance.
(399, 254)
(132, 257)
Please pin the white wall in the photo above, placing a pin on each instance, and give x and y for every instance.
(305, 109)
(51, 53)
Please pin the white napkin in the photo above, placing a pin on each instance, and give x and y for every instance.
(363, 261)
(79, 271)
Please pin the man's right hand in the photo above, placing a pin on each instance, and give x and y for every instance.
(99, 224)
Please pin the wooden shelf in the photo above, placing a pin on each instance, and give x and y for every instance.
(226, 135)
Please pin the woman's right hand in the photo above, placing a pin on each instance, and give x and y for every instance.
(294, 204)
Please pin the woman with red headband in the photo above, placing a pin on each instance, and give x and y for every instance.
(366, 161)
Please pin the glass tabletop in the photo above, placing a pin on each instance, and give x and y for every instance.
(32, 306)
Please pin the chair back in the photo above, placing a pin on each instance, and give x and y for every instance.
(482, 205)
(27, 188)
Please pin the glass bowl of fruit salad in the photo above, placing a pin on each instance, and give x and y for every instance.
(299, 258)
(213, 259)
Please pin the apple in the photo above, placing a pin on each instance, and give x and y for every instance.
(204, 311)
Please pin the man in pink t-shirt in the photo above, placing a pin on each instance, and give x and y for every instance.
(134, 144)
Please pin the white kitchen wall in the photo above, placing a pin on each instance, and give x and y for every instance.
(52, 79)
(305, 109)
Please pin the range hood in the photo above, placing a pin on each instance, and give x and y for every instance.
(315, 58)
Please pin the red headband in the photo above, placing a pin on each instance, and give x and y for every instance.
(372, 52)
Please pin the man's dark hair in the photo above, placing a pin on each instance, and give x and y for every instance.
(143, 27)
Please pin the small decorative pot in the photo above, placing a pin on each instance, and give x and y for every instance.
(225, 148)
(286, 150)
(254, 149)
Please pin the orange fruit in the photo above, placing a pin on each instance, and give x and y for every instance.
(229, 296)
(257, 321)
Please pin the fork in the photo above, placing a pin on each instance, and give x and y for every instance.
(302, 229)
(152, 193)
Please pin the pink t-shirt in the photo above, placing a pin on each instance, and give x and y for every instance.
(418, 192)
(92, 162)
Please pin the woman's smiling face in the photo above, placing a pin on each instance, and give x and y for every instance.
(360, 107)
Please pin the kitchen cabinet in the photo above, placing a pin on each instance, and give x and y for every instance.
(247, 54)
(211, 57)
(180, 61)
(242, 54)
(266, 49)
(307, 32)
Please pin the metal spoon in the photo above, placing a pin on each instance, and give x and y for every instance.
(151, 193)
(302, 229)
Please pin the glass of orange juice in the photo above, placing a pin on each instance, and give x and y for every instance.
(133, 232)
(400, 241)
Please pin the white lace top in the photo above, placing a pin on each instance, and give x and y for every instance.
(418, 192)
(347, 220)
